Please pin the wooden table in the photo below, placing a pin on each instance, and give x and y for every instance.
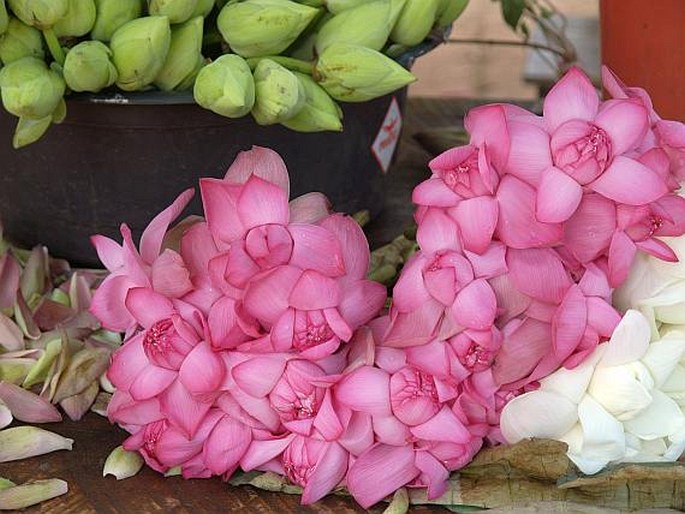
(148, 491)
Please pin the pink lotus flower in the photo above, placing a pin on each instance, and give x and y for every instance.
(129, 268)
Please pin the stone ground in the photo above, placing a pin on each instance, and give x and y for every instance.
(483, 71)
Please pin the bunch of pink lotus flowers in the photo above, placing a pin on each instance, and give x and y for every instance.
(254, 341)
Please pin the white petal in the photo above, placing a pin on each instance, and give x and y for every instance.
(537, 414)
(676, 446)
(629, 341)
(672, 269)
(643, 282)
(661, 418)
(574, 439)
(603, 437)
(662, 356)
(674, 387)
(624, 391)
(572, 383)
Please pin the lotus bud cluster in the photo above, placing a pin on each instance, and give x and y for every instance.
(140, 45)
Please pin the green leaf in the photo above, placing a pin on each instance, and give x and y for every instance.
(512, 10)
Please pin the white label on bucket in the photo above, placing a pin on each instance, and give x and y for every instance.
(386, 140)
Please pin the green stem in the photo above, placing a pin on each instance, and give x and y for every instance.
(54, 46)
(287, 62)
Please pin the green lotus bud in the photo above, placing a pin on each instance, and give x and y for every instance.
(263, 27)
(351, 73)
(177, 11)
(450, 10)
(415, 21)
(338, 6)
(226, 87)
(112, 14)
(88, 67)
(20, 40)
(122, 464)
(203, 8)
(4, 18)
(30, 89)
(79, 19)
(139, 49)
(184, 55)
(42, 14)
(319, 112)
(279, 94)
(366, 25)
(312, 3)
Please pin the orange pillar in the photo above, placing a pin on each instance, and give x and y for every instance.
(643, 42)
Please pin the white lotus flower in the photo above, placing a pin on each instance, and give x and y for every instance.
(623, 404)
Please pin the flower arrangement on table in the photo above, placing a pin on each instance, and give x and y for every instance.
(544, 300)
(282, 61)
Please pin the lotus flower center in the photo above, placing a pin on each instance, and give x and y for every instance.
(476, 358)
(461, 174)
(304, 407)
(596, 145)
(582, 150)
(655, 223)
(312, 335)
(420, 384)
(157, 339)
(297, 474)
(153, 433)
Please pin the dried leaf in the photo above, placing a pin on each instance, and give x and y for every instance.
(399, 503)
(85, 367)
(101, 403)
(15, 370)
(35, 276)
(26, 441)
(24, 318)
(76, 406)
(39, 371)
(11, 336)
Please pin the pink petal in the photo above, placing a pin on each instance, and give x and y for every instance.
(355, 247)
(309, 208)
(260, 452)
(367, 389)
(338, 324)
(410, 290)
(490, 263)
(361, 302)
(223, 324)
(108, 303)
(261, 162)
(151, 382)
(441, 284)
(588, 232)
(266, 298)
(517, 226)
(182, 408)
(488, 127)
(219, 201)
(602, 316)
(258, 376)
(127, 363)
(530, 154)
(538, 273)
(621, 254)
(198, 248)
(170, 277)
(521, 350)
(328, 473)
(202, 370)
(475, 305)
(432, 472)
(316, 248)
(414, 328)
(625, 121)
(558, 196)
(314, 291)
(477, 218)
(628, 181)
(109, 252)
(226, 445)
(27, 406)
(380, 471)
(437, 231)
(358, 436)
(568, 324)
(572, 97)
(390, 430)
(444, 426)
(123, 409)
(510, 301)
(435, 193)
(151, 240)
(595, 282)
(327, 421)
(148, 306)
(11, 336)
(262, 202)
(658, 249)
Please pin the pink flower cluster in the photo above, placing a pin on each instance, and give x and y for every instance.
(254, 340)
